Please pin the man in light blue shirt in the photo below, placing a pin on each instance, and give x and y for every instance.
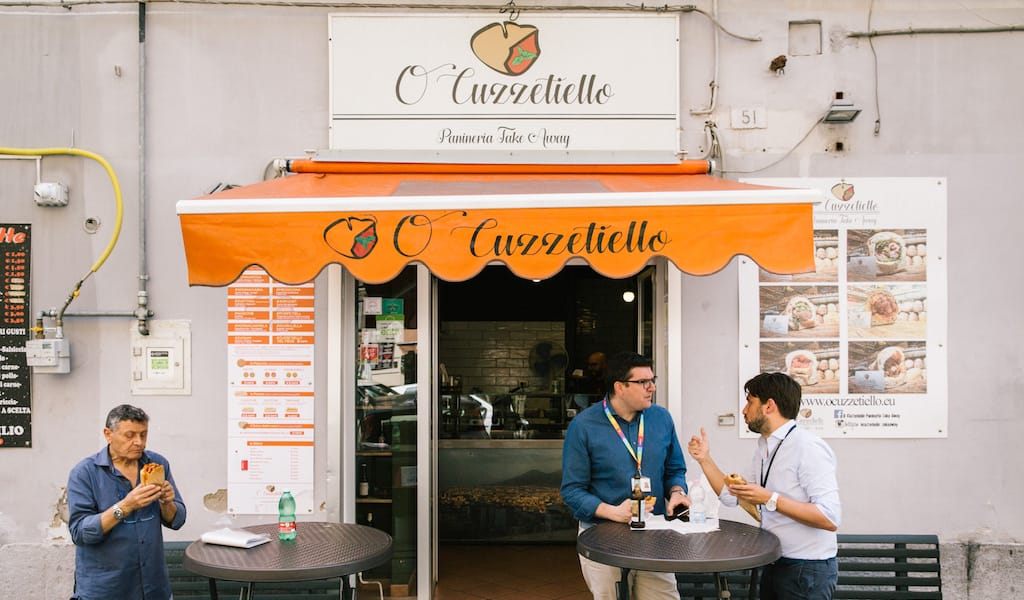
(792, 478)
(116, 523)
(606, 447)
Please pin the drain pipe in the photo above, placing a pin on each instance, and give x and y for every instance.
(142, 313)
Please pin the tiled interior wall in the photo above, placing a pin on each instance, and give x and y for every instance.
(494, 355)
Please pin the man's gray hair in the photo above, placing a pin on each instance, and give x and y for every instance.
(125, 412)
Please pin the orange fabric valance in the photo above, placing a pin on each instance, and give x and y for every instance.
(457, 221)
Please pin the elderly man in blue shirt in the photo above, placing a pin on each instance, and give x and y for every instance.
(608, 447)
(116, 523)
(792, 478)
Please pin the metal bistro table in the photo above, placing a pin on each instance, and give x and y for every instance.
(320, 551)
(735, 546)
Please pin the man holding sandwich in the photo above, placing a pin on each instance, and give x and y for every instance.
(118, 501)
(793, 483)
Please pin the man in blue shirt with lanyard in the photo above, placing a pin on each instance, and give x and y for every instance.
(607, 447)
(792, 477)
(115, 522)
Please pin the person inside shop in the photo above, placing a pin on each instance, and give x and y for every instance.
(589, 384)
(792, 479)
(116, 515)
(620, 442)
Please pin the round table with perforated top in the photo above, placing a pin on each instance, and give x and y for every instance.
(734, 547)
(320, 550)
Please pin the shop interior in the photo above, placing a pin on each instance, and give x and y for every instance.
(512, 367)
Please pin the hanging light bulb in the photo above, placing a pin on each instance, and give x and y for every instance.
(628, 296)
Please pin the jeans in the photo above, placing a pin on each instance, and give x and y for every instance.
(794, 579)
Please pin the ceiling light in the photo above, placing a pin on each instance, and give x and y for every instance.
(841, 111)
(628, 296)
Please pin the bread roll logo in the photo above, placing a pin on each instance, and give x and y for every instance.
(352, 237)
(843, 191)
(507, 47)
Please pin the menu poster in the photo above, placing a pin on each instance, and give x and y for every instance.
(15, 377)
(270, 394)
(865, 334)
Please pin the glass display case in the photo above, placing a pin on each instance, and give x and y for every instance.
(502, 491)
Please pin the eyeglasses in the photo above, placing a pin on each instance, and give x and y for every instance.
(646, 383)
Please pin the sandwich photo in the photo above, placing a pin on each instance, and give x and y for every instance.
(802, 366)
(883, 307)
(801, 313)
(889, 251)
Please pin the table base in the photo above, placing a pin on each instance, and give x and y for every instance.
(347, 591)
(721, 585)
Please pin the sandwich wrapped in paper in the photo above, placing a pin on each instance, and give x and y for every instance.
(802, 366)
(883, 307)
(152, 473)
(801, 313)
(889, 251)
(737, 479)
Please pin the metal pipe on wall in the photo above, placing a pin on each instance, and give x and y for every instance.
(142, 313)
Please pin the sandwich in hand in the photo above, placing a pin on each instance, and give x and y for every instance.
(737, 479)
(152, 473)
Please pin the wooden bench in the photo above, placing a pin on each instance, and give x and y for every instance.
(187, 585)
(871, 567)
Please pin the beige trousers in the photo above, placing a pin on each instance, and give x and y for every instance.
(644, 585)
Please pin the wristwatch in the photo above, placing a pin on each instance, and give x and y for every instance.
(118, 513)
(772, 502)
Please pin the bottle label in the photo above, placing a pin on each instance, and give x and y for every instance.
(285, 526)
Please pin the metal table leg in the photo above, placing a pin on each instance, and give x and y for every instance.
(347, 590)
(623, 586)
(213, 588)
(754, 579)
(722, 587)
(247, 593)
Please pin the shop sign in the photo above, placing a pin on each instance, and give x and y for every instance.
(15, 377)
(472, 81)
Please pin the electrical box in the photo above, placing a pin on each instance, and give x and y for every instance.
(51, 355)
(51, 194)
(161, 361)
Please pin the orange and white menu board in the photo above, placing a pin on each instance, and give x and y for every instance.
(864, 334)
(270, 394)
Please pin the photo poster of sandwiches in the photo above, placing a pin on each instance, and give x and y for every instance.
(270, 404)
(865, 333)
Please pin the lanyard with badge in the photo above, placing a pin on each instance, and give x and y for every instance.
(638, 456)
(764, 473)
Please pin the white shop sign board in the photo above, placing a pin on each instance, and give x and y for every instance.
(470, 81)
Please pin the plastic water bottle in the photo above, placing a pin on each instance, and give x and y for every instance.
(286, 517)
(697, 507)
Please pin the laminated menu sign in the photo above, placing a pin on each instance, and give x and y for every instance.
(15, 376)
(270, 394)
(865, 333)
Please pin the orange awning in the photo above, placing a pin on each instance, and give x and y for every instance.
(374, 219)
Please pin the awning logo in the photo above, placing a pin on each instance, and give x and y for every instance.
(352, 237)
(506, 47)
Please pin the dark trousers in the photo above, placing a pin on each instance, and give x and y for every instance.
(794, 579)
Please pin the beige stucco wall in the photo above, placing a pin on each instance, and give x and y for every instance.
(228, 88)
